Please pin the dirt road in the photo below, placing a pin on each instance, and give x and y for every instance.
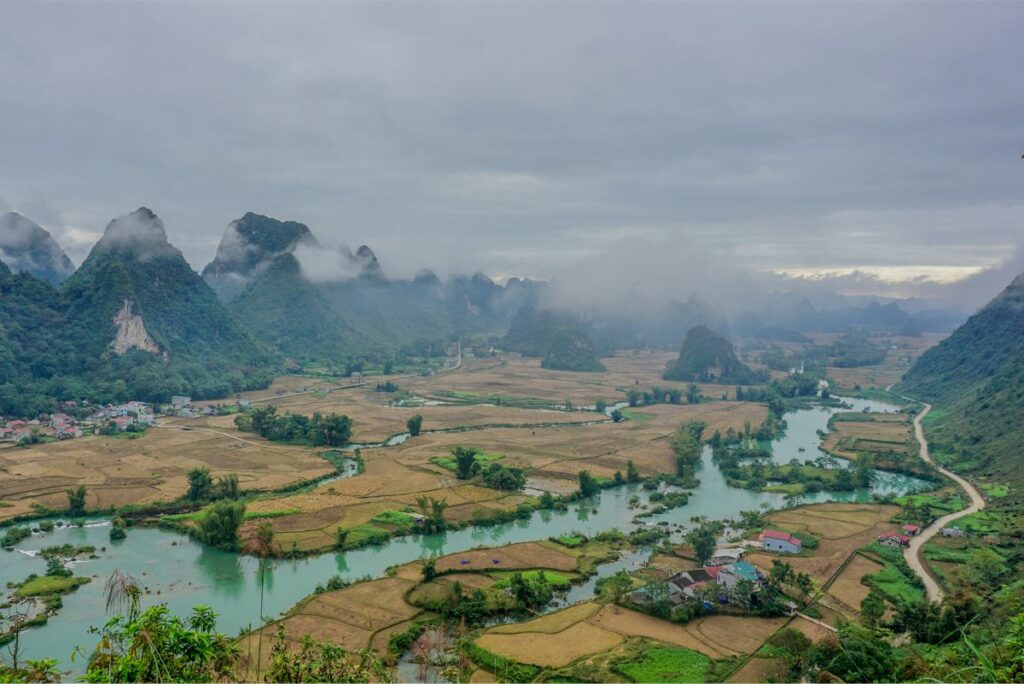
(914, 553)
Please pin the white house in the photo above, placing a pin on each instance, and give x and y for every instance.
(783, 542)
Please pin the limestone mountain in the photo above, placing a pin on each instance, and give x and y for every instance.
(707, 356)
(975, 380)
(28, 248)
(136, 294)
(249, 245)
(572, 350)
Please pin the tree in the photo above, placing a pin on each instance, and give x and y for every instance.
(872, 609)
(218, 524)
(781, 573)
(632, 472)
(633, 397)
(429, 570)
(617, 416)
(432, 511)
(76, 501)
(793, 645)
(227, 487)
(321, 661)
(200, 485)
(600, 405)
(692, 393)
(465, 462)
(703, 540)
(588, 485)
(616, 586)
(504, 478)
(341, 536)
(158, 646)
(855, 654)
(117, 530)
(804, 583)
(414, 425)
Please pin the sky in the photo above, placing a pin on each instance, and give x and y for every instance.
(873, 142)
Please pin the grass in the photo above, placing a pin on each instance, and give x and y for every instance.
(555, 579)
(632, 414)
(570, 540)
(366, 534)
(894, 580)
(48, 586)
(448, 462)
(996, 491)
(670, 664)
(397, 518)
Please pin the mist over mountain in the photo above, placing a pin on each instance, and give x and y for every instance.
(975, 379)
(27, 248)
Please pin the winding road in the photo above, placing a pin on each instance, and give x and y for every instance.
(915, 552)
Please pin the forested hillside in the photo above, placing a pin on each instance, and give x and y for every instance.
(135, 321)
(706, 356)
(975, 379)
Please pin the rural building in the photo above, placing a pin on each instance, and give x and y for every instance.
(952, 532)
(178, 402)
(894, 539)
(911, 530)
(783, 542)
(725, 556)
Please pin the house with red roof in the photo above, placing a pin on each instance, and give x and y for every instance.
(893, 538)
(783, 542)
(911, 530)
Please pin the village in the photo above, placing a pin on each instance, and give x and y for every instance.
(77, 419)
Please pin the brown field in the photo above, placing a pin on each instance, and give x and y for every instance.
(551, 650)
(514, 557)
(761, 670)
(552, 456)
(511, 376)
(897, 361)
(885, 433)
(148, 469)
(847, 589)
(589, 629)
(840, 528)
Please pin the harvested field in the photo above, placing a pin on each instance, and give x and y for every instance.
(148, 469)
(885, 433)
(848, 590)
(841, 529)
(896, 362)
(716, 636)
(514, 557)
(553, 622)
(551, 650)
(519, 378)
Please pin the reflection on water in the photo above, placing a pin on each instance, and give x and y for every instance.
(183, 573)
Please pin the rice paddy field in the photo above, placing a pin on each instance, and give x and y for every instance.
(148, 469)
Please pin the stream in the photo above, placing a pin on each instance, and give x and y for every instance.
(178, 571)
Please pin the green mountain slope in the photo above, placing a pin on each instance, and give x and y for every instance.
(975, 380)
(706, 356)
(27, 248)
(572, 350)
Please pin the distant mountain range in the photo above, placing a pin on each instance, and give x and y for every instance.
(136, 321)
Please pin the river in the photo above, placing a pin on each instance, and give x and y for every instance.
(181, 572)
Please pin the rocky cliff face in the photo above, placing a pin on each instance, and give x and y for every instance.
(27, 248)
(131, 332)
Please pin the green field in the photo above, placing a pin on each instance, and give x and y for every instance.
(448, 462)
(670, 664)
(43, 586)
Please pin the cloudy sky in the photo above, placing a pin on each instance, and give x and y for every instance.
(526, 138)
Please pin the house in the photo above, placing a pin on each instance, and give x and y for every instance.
(357, 377)
(895, 539)
(726, 555)
(122, 422)
(67, 432)
(59, 419)
(954, 532)
(911, 530)
(783, 542)
(244, 403)
(179, 402)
